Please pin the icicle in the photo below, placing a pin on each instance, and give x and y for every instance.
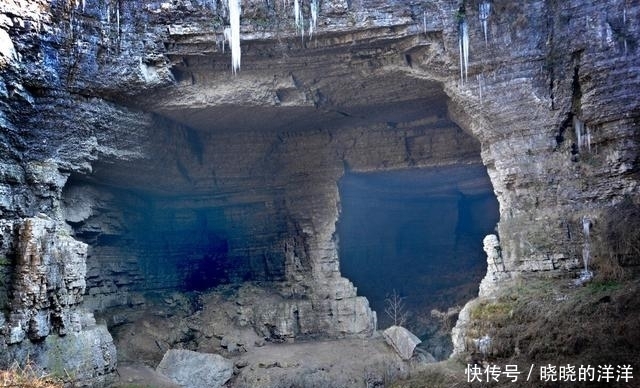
(463, 43)
(583, 134)
(585, 274)
(577, 127)
(299, 17)
(83, 4)
(624, 25)
(301, 25)
(461, 59)
(227, 37)
(484, 10)
(586, 250)
(314, 17)
(234, 18)
(480, 79)
(465, 48)
(118, 17)
(108, 15)
(424, 22)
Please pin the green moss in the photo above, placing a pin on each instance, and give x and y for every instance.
(603, 287)
(492, 311)
(4, 261)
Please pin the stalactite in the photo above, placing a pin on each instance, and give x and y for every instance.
(234, 19)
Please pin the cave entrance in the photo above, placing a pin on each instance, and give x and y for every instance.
(418, 232)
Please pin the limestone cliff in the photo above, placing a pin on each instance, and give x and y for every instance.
(118, 111)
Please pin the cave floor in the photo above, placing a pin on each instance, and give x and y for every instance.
(322, 363)
(535, 321)
(221, 321)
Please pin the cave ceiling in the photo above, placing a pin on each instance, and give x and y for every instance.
(336, 81)
(349, 99)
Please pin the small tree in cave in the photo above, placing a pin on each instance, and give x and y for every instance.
(395, 308)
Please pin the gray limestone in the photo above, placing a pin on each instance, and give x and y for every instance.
(150, 104)
(195, 370)
(402, 340)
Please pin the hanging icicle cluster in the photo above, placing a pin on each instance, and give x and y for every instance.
(234, 19)
(484, 9)
(232, 33)
(583, 135)
(463, 44)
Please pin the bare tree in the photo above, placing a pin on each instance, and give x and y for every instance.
(395, 308)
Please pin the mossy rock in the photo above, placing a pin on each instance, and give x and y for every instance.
(492, 311)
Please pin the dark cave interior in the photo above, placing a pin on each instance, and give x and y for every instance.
(144, 241)
(418, 232)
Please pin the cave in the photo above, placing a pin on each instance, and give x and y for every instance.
(416, 233)
(158, 196)
(253, 197)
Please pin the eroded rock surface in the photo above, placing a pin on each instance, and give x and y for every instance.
(402, 340)
(113, 113)
(195, 370)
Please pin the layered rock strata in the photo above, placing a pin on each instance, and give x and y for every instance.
(137, 97)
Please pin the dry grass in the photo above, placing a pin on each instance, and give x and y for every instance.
(27, 377)
(444, 374)
(550, 322)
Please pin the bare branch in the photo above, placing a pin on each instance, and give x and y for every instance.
(395, 308)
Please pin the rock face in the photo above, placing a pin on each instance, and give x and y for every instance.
(123, 120)
(496, 270)
(195, 370)
(402, 340)
(47, 323)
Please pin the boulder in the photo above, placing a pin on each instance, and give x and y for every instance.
(191, 369)
(402, 340)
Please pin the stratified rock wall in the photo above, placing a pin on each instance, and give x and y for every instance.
(547, 69)
(137, 96)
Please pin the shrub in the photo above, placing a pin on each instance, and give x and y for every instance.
(27, 377)
(619, 241)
